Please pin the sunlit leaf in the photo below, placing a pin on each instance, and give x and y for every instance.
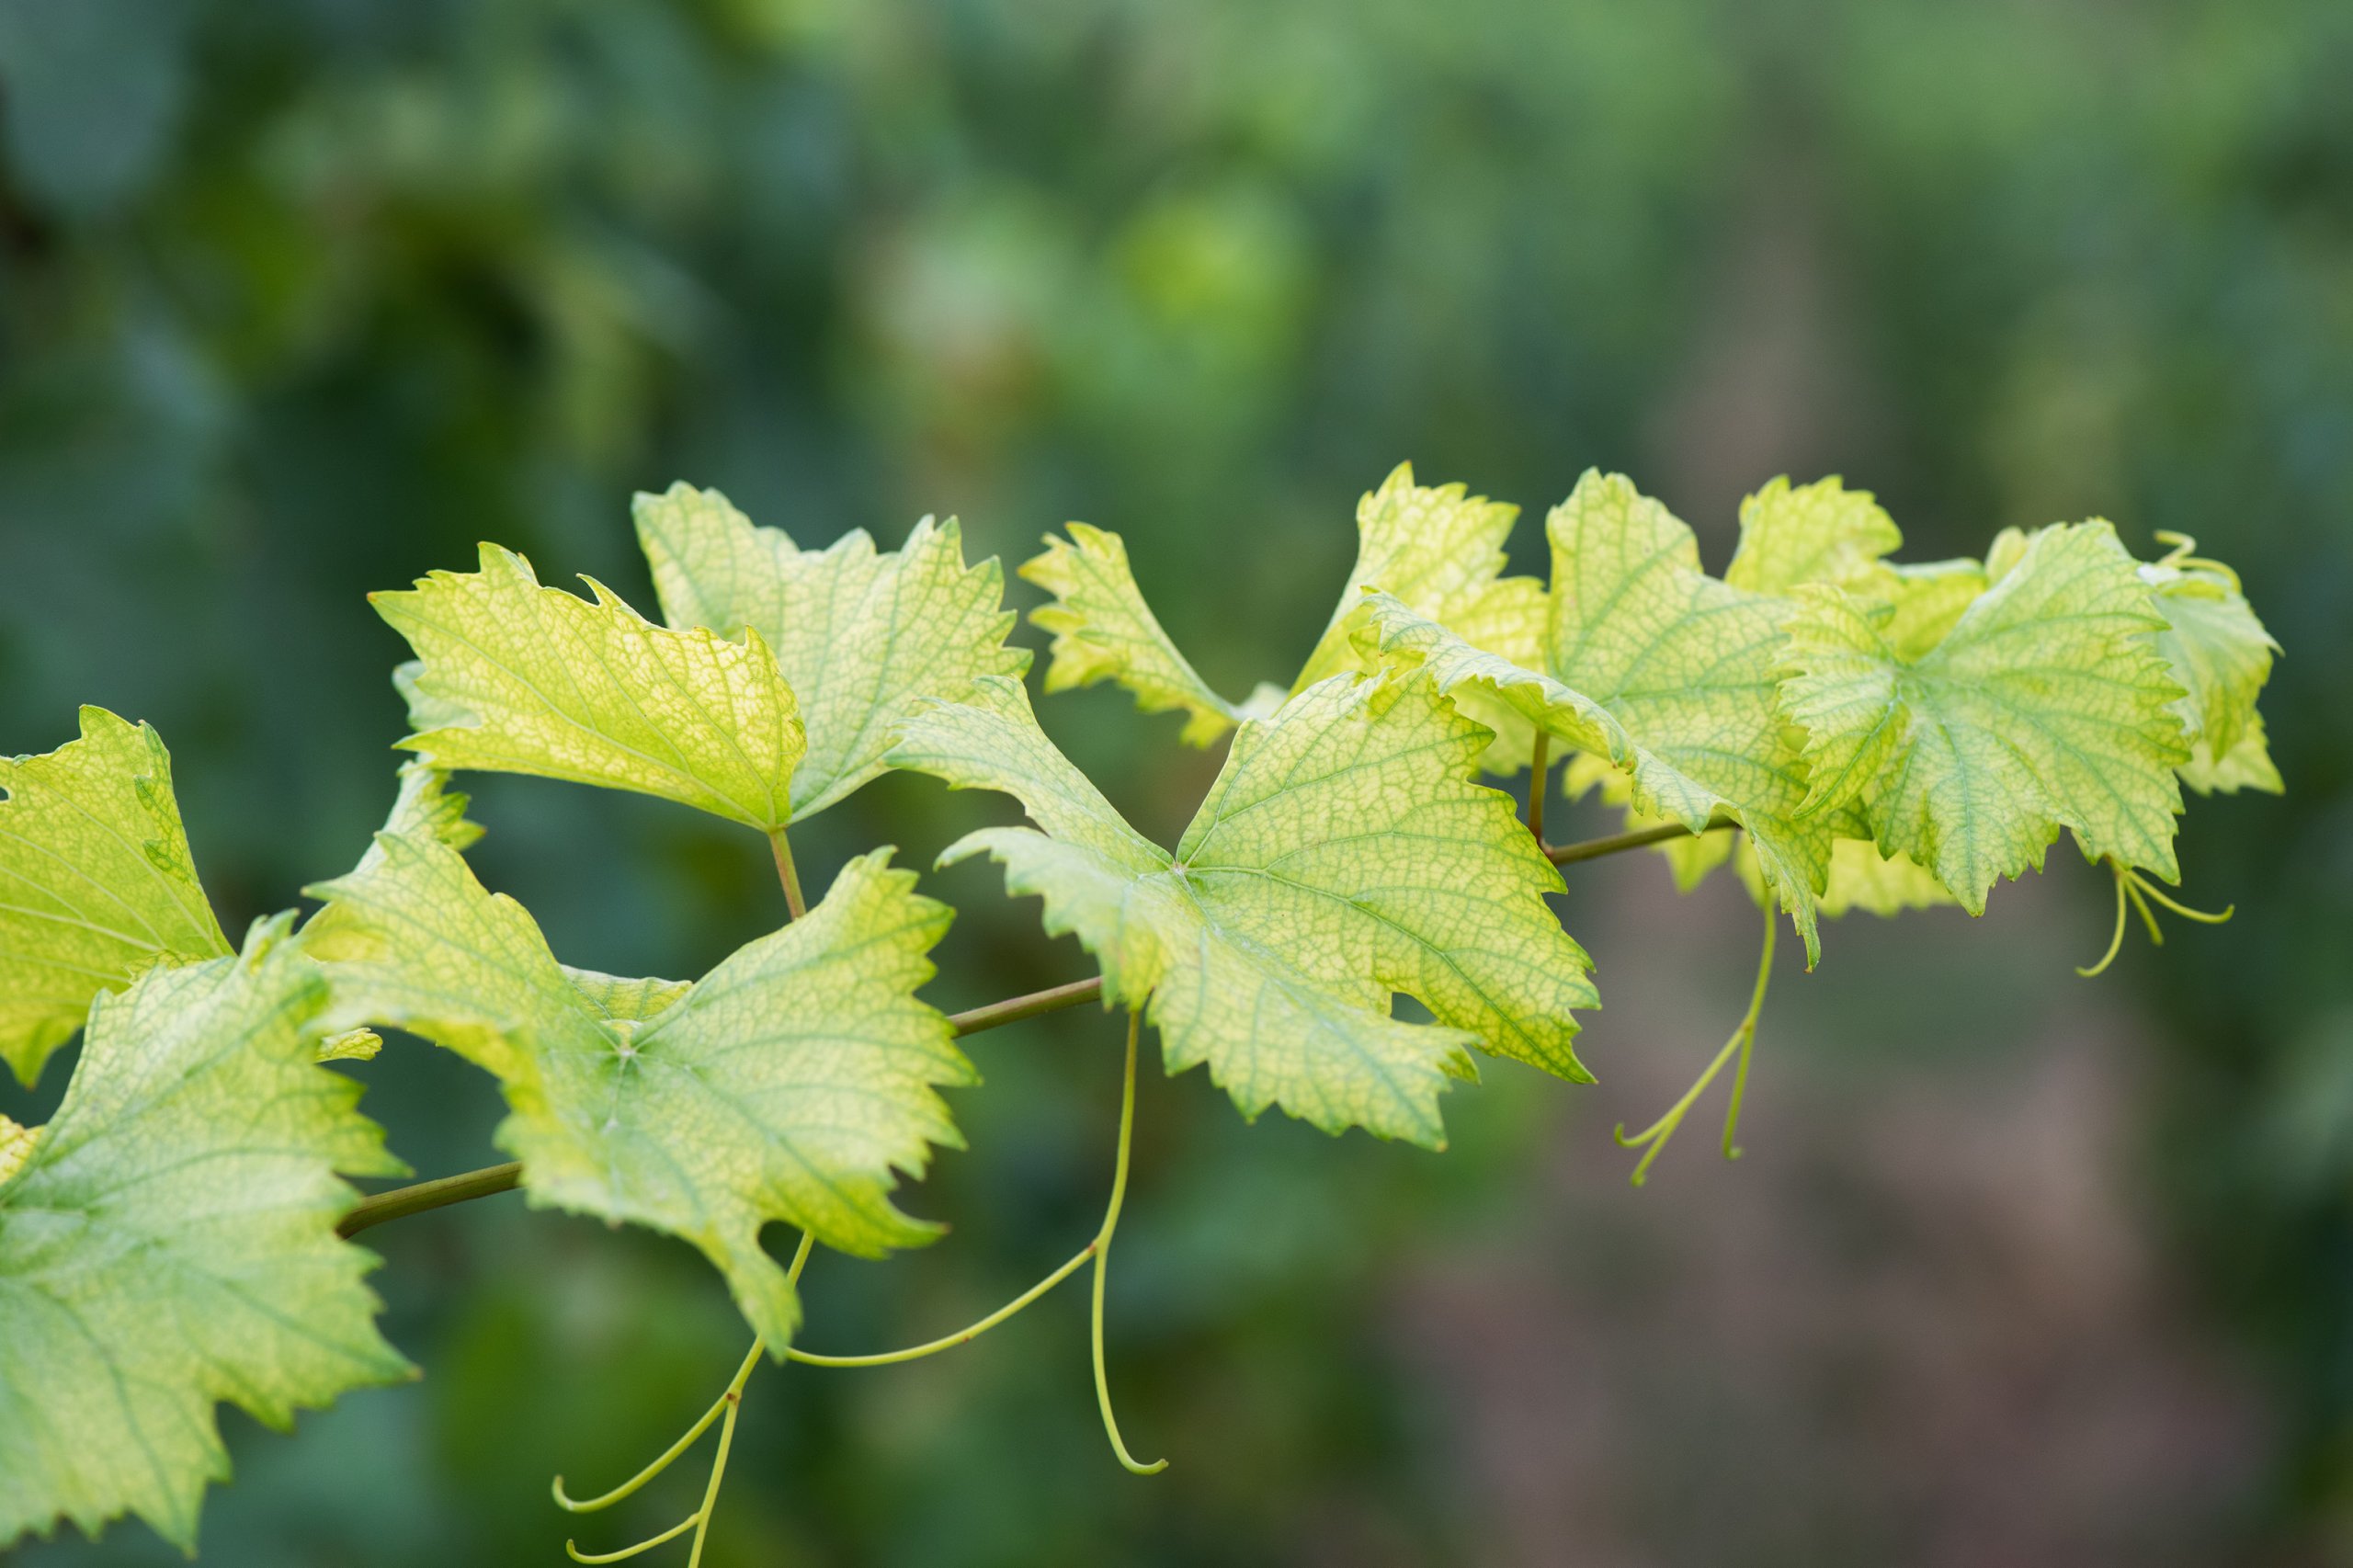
(860, 635)
(1342, 856)
(2048, 705)
(96, 885)
(789, 1083)
(2221, 655)
(1104, 630)
(515, 677)
(1649, 663)
(1821, 532)
(168, 1242)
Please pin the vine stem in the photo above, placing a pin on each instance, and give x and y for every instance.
(1742, 1041)
(1617, 843)
(439, 1193)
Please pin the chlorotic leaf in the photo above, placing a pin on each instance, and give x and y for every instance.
(1665, 671)
(2046, 704)
(1821, 532)
(2247, 765)
(351, 1045)
(1440, 551)
(16, 1143)
(96, 884)
(1862, 878)
(514, 677)
(169, 1242)
(1915, 605)
(1102, 629)
(425, 804)
(2221, 655)
(788, 1084)
(860, 635)
(1341, 857)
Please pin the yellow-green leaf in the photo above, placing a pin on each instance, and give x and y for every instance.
(1821, 532)
(2247, 765)
(2220, 654)
(1664, 671)
(1436, 548)
(169, 1242)
(1439, 550)
(788, 1084)
(96, 885)
(514, 677)
(17, 1141)
(2048, 705)
(1103, 630)
(1342, 856)
(860, 635)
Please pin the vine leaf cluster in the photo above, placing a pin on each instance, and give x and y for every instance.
(1847, 731)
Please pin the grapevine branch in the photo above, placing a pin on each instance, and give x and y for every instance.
(402, 1202)
(1616, 842)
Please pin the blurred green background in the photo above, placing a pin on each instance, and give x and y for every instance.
(300, 298)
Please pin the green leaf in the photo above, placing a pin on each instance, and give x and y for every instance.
(1862, 878)
(1103, 630)
(860, 636)
(1441, 551)
(1821, 532)
(96, 885)
(169, 1244)
(1915, 606)
(514, 677)
(788, 1084)
(2247, 765)
(2048, 705)
(2221, 655)
(1438, 550)
(17, 1143)
(1342, 856)
(1664, 671)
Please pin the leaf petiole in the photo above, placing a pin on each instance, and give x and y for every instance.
(781, 845)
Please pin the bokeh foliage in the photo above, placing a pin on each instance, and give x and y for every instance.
(300, 298)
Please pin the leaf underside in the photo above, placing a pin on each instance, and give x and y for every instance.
(789, 1083)
(169, 1243)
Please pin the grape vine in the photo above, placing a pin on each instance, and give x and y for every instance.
(1845, 732)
